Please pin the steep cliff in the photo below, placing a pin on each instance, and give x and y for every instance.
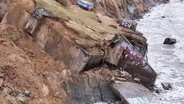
(34, 64)
(132, 9)
(4, 5)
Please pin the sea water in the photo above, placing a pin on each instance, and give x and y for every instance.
(161, 22)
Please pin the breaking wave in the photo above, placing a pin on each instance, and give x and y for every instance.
(164, 21)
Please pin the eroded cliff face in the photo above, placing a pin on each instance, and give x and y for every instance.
(22, 68)
(4, 6)
(18, 13)
(132, 9)
(34, 62)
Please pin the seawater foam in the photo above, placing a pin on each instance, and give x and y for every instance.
(166, 60)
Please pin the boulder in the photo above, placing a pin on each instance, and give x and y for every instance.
(166, 86)
(169, 41)
(158, 90)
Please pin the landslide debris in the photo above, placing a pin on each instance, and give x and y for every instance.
(31, 73)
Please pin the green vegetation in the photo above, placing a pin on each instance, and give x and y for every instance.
(62, 2)
(13, 35)
(84, 22)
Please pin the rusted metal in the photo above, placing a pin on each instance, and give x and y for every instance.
(122, 54)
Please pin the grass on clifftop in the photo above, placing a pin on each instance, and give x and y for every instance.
(85, 22)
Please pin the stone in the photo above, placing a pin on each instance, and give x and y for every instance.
(137, 80)
(158, 90)
(27, 93)
(163, 16)
(41, 12)
(169, 41)
(166, 86)
(45, 90)
(65, 74)
(114, 26)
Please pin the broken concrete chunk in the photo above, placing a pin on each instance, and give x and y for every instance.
(40, 12)
(132, 93)
(31, 25)
(77, 58)
(130, 24)
(59, 46)
(166, 86)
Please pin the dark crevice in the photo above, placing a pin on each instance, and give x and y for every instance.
(101, 95)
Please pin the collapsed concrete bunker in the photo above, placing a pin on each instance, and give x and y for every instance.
(123, 55)
(77, 58)
(60, 44)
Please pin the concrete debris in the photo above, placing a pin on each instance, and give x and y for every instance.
(132, 93)
(41, 12)
(38, 14)
(130, 24)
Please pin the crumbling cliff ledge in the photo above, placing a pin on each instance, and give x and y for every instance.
(132, 9)
(35, 67)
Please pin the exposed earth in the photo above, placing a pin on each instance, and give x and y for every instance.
(33, 70)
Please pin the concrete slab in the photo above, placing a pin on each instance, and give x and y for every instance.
(133, 93)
